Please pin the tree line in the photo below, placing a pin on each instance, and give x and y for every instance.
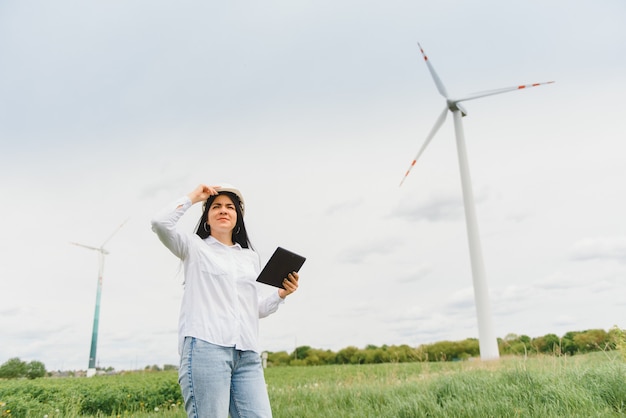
(572, 343)
(15, 368)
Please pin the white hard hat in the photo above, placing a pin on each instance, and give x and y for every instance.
(225, 187)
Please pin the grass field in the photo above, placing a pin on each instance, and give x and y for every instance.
(592, 385)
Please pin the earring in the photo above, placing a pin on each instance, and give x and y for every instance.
(238, 229)
(207, 230)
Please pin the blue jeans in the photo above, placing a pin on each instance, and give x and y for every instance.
(217, 381)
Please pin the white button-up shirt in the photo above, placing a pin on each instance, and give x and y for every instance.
(221, 300)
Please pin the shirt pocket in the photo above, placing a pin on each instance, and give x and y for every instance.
(215, 269)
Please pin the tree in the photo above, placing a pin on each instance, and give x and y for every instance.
(402, 354)
(515, 344)
(301, 353)
(348, 355)
(375, 354)
(549, 344)
(280, 358)
(315, 357)
(13, 368)
(591, 340)
(452, 350)
(568, 346)
(35, 369)
(617, 338)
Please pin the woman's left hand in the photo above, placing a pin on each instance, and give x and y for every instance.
(290, 285)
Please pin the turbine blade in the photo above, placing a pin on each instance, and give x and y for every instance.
(114, 232)
(86, 246)
(433, 73)
(499, 91)
(430, 136)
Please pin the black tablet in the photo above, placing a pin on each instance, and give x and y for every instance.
(280, 264)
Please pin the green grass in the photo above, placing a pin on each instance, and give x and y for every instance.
(592, 385)
(588, 386)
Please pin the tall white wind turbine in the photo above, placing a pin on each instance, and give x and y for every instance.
(487, 339)
(91, 370)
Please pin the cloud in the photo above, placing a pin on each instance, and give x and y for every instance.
(167, 186)
(461, 302)
(442, 208)
(416, 274)
(343, 207)
(519, 217)
(600, 248)
(556, 281)
(10, 312)
(366, 252)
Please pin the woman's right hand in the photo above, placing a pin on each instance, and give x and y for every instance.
(202, 193)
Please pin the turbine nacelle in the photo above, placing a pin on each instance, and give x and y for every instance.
(454, 106)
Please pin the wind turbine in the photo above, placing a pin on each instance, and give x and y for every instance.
(96, 317)
(487, 339)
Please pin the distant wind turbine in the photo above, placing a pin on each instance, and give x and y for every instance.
(487, 339)
(96, 317)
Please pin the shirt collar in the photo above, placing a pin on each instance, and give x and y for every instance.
(212, 241)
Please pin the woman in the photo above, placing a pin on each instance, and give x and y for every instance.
(220, 369)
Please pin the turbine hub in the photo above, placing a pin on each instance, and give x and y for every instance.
(455, 106)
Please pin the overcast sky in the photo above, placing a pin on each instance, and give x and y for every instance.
(109, 110)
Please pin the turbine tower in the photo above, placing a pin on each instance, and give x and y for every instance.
(486, 335)
(91, 370)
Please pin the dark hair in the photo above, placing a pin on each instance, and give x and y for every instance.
(240, 235)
